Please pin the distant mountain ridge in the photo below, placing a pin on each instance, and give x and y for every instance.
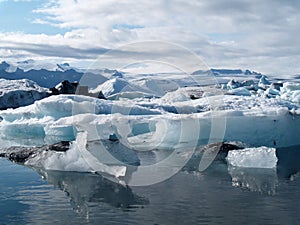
(220, 72)
(44, 78)
(48, 75)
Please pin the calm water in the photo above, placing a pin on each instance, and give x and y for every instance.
(220, 195)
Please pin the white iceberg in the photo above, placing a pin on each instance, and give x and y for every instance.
(290, 92)
(204, 120)
(262, 157)
(119, 86)
(240, 91)
(35, 121)
(17, 93)
(77, 158)
(181, 120)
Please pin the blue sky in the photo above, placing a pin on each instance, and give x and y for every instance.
(19, 17)
(254, 34)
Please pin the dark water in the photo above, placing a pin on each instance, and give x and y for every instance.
(220, 195)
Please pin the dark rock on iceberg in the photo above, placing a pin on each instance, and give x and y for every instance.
(71, 88)
(65, 87)
(20, 154)
(276, 86)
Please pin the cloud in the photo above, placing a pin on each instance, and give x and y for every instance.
(260, 35)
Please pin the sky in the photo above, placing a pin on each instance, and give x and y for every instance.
(247, 34)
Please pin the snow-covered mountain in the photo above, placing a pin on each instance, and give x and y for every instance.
(222, 72)
(31, 64)
(44, 74)
(49, 74)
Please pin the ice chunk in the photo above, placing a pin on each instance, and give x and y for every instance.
(248, 83)
(77, 158)
(262, 157)
(93, 162)
(271, 91)
(291, 92)
(263, 81)
(176, 96)
(37, 120)
(232, 84)
(116, 86)
(163, 122)
(240, 91)
(290, 86)
(17, 93)
(187, 94)
(130, 95)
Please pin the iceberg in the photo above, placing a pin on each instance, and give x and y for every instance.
(17, 93)
(119, 86)
(36, 121)
(159, 122)
(261, 157)
(232, 84)
(290, 92)
(240, 91)
(110, 135)
(77, 158)
(264, 82)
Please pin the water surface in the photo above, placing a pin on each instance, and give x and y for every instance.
(220, 195)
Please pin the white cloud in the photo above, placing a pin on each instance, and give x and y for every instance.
(260, 35)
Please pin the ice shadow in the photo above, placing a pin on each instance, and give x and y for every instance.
(288, 161)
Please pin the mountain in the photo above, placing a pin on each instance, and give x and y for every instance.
(221, 72)
(226, 72)
(4, 66)
(49, 75)
(46, 75)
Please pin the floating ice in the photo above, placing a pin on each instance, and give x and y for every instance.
(264, 80)
(116, 86)
(77, 158)
(271, 91)
(290, 86)
(246, 119)
(240, 91)
(232, 84)
(291, 92)
(262, 157)
(35, 121)
(108, 135)
(16, 93)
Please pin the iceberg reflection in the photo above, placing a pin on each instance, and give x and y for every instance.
(254, 179)
(86, 189)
